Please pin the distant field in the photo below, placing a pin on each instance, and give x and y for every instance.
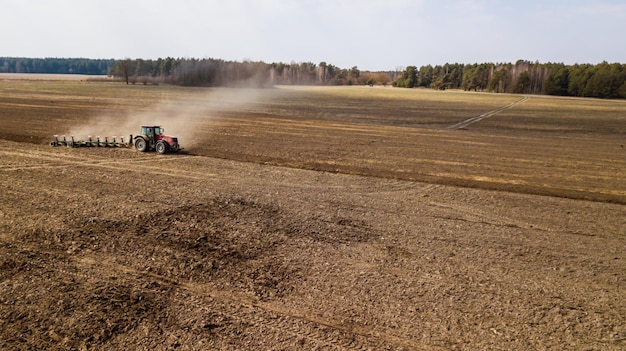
(540, 145)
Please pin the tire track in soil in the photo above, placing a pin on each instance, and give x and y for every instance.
(472, 214)
(62, 161)
(466, 123)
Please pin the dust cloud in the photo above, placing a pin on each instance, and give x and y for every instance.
(182, 113)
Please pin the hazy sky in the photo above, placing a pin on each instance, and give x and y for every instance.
(370, 34)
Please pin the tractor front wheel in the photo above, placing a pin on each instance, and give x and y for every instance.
(161, 147)
(141, 145)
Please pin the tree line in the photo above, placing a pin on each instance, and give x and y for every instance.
(604, 80)
(216, 72)
(56, 65)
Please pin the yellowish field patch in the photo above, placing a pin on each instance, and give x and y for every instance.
(50, 76)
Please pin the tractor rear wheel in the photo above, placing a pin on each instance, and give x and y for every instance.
(161, 147)
(141, 145)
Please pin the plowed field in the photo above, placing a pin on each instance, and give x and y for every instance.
(311, 218)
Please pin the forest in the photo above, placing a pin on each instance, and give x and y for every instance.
(56, 65)
(216, 72)
(603, 80)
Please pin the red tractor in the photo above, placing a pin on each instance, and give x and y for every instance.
(152, 138)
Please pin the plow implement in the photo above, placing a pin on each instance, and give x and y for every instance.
(90, 142)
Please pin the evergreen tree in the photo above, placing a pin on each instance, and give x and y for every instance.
(425, 76)
(408, 78)
(523, 83)
(557, 82)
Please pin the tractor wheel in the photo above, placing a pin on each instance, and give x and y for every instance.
(141, 145)
(161, 147)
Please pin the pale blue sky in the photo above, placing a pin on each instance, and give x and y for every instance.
(370, 34)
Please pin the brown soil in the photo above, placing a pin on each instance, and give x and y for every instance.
(217, 248)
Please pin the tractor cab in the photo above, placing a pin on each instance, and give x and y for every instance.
(151, 131)
(152, 138)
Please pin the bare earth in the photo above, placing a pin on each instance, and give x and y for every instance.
(111, 249)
